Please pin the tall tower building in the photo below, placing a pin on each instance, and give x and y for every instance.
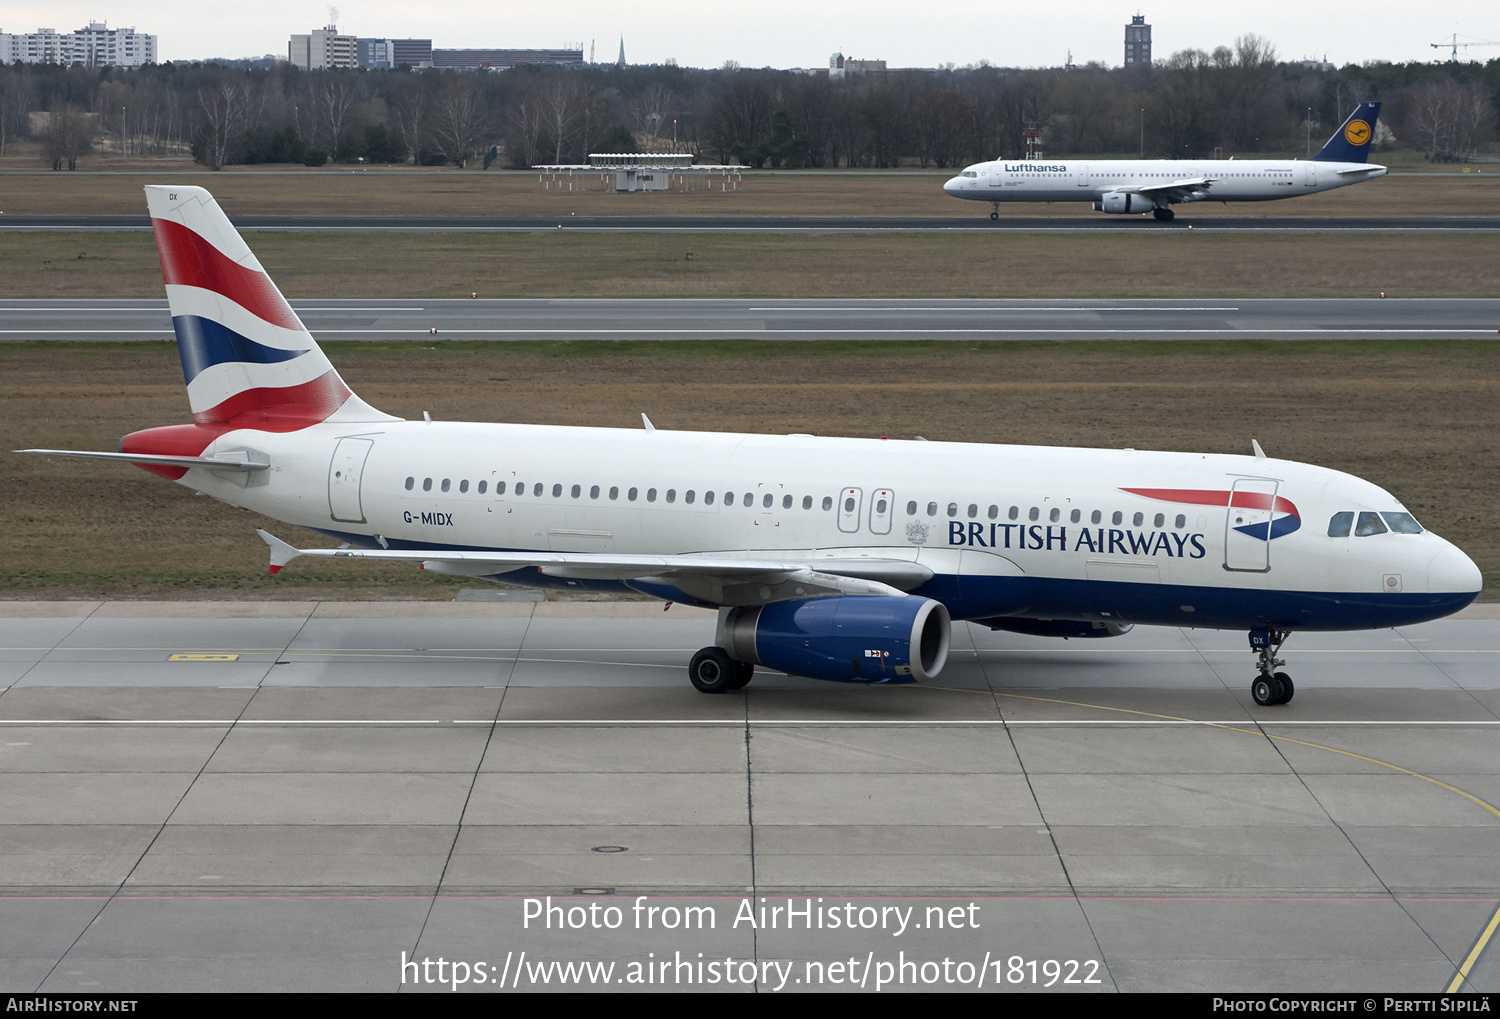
(1138, 42)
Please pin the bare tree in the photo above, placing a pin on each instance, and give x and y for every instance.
(68, 135)
(222, 106)
(333, 97)
(462, 120)
(559, 98)
(412, 111)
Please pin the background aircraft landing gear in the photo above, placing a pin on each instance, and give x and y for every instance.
(1270, 687)
(1164, 214)
(713, 671)
(995, 212)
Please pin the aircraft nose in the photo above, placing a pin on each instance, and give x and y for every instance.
(953, 185)
(1452, 572)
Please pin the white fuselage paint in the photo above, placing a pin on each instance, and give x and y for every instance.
(953, 543)
(1233, 180)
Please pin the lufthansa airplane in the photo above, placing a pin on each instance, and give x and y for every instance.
(1155, 185)
(834, 558)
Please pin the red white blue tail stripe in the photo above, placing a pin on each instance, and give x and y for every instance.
(248, 361)
(1284, 516)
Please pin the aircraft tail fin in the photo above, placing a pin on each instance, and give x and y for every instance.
(1351, 142)
(247, 358)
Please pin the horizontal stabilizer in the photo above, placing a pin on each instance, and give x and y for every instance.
(211, 463)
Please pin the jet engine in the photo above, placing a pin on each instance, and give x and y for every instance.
(853, 638)
(1123, 201)
(1056, 627)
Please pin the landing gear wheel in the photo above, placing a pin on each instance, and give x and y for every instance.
(1266, 690)
(995, 214)
(743, 673)
(1287, 687)
(712, 671)
(1165, 215)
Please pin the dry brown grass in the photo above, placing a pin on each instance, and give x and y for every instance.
(340, 191)
(1154, 264)
(1421, 419)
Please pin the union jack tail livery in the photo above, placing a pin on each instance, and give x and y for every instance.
(248, 361)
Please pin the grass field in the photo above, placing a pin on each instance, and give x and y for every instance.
(1420, 418)
(341, 191)
(432, 265)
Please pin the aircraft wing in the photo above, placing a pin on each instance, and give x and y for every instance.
(721, 580)
(1177, 190)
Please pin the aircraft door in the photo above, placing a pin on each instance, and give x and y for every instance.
(1081, 174)
(882, 508)
(1247, 525)
(344, 474)
(1310, 174)
(850, 501)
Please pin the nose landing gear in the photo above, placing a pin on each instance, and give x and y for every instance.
(995, 212)
(1270, 687)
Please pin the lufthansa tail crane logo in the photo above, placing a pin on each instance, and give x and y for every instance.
(1357, 133)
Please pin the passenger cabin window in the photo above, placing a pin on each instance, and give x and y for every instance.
(911, 507)
(1095, 517)
(1075, 516)
(1369, 523)
(769, 498)
(614, 491)
(1034, 514)
(631, 495)
(594, 492)
(556, 491)
(1055, 515)
(650, 495)
(671, 495)
(786, 502)
(689, 496)
(577, 491)
(1181, 520)
(1015, 511)
(827, 502)
(708, 498)
(463, 486)
(953, 509)
(973, 510)
(1117, 517)
(994, 512)
(446, 484)
(536, 489)
(807, 502)
(410, 483)
(749, 499)
(1139, 519)
(932, 509)
(1158, 520)
(1339, 525)
(426, 484)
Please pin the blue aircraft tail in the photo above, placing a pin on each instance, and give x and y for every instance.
(1351, 142)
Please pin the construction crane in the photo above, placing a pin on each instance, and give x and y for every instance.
(1454, 44)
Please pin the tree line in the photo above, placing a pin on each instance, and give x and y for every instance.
(1237, 99)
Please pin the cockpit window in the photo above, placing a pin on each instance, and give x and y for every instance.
(1369, 523)
(1403, 523)
(1338, 526)
(971, 173)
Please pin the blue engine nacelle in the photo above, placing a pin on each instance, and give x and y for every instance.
(1055, 627)
(852, 638)
(1123, 201)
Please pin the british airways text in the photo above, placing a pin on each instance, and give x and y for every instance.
(1107, 540)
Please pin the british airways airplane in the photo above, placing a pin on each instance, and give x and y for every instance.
(834, 558)
(1155, 185)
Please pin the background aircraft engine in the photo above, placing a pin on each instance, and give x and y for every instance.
(1124, 201)
(1056, 627)
(853, 638)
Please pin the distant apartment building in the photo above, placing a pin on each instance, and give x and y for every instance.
(1138, 42)
(323, 49)
(500, 60)
(95, 46)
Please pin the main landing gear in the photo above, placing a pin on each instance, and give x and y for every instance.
(1164, 214)
(713, 671)
(1270, 687)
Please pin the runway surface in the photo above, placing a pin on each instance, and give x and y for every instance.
(1084, 222)
(254, 796)
(773, 319)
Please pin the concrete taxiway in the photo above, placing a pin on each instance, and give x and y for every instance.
(806, 319)
(292, 795)
(1084, 222)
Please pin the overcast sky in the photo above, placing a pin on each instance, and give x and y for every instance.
(799, 33)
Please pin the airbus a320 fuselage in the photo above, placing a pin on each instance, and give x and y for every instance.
(835, 558)
(1154, 185)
